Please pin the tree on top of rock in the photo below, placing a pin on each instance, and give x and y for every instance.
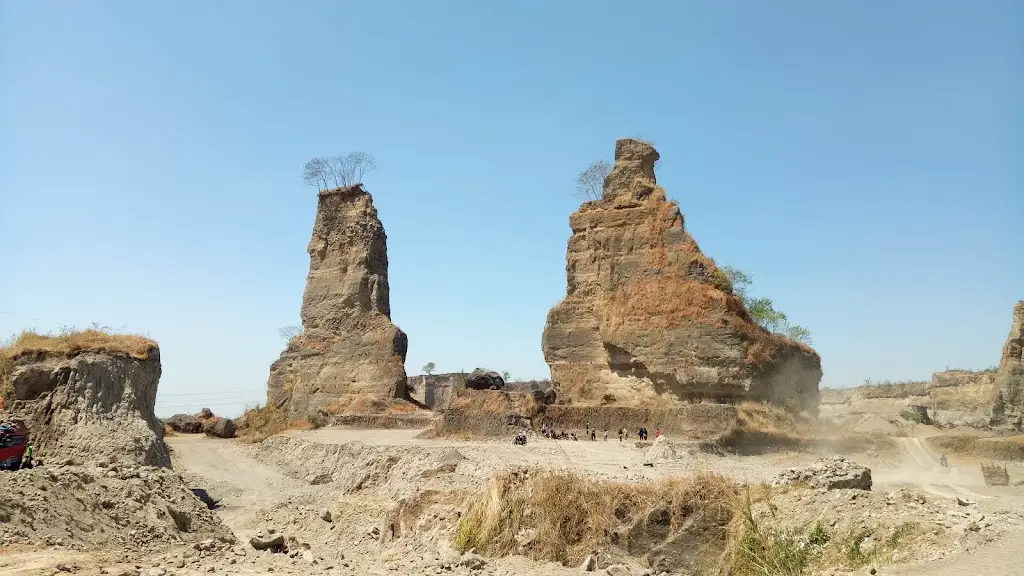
(762, 310)
(339, 171)
(590, 182)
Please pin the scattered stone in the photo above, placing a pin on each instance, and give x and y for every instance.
(325, 515)
(472, 560)
(831, 473)
(589, 563)
(269, 541)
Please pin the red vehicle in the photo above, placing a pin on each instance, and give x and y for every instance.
(13, 441)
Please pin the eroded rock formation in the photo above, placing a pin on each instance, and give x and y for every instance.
(348, 344)
(94, 406)
(1008, 407)
(648, 317)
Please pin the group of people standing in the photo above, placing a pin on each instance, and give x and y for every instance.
(553, 434)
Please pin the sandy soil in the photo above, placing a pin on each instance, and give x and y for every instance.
(258, 489)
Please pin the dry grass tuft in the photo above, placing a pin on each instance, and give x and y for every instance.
(259, 423)
(71, 342)
(571, 515)
(665, 302)
(762, 427)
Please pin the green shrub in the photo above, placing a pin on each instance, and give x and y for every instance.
(912, 416)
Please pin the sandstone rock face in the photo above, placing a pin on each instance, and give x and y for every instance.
(348, 344)
(92, 407)
(647, 317)
(1008, 407)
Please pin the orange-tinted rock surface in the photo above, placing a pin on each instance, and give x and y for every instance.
(648, 318)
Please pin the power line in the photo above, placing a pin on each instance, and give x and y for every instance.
(212, 393)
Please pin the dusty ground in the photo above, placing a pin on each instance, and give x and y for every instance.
(385, 502)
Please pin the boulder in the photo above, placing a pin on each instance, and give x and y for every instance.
(483, 379)
(648, 317)
(205, 414)
(185, 423)
(264, 541)
(832, 473)
(219, 427)
(348, 346)
(1008, 406)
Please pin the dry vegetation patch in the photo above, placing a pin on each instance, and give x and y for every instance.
(700, 524)
(71, 342)
(259, 423)
(563, 517)
(762, 427)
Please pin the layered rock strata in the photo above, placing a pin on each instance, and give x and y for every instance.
(648, 317)
(93, 406)
(348, 345)
(1008, 407)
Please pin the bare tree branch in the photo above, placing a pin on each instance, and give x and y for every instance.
(345, 170)
(316, 172)
(351, 167)
(590, 182)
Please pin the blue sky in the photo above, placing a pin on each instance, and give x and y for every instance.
(862, 160)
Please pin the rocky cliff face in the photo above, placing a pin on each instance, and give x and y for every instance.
(1008, 407)
(348, 344)
(94, 406)
(648, 317)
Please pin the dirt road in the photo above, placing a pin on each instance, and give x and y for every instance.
(243, 485)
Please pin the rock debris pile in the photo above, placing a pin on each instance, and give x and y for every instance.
(831, 473)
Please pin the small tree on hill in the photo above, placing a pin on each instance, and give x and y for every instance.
(590, 182)
(762, 310)
(289, 333)
(428, 368)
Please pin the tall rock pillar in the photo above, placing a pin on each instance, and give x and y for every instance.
(348, 345)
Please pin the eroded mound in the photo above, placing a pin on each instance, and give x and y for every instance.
(113, 507)
(85, 399)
